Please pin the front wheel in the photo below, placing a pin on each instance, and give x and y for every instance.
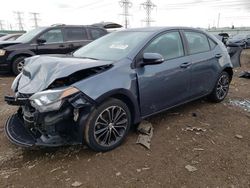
(18, 65)
(221, 88)
(107, 125)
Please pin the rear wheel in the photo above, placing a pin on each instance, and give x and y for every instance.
(18, 64)
(221, 88)
(107, 125)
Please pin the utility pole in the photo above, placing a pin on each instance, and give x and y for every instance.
(148, 6)
(1, 24)
(218, 21)
(125, 4)
(35, 18)
(19, 20)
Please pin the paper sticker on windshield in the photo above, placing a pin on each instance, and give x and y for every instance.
(119, 46)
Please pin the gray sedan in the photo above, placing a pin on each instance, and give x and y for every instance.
(96, 94)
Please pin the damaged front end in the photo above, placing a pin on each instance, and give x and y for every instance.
(48, 118)
(51, 111)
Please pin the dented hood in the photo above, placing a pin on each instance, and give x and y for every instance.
(41, 71)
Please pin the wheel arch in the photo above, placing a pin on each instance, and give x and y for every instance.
(15, 55)
(128, 98)
(229, 70)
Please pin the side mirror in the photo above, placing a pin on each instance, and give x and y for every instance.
(41, 41)
(152, 59)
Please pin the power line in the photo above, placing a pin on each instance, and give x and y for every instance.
(148, 6)
(125, 4)
(35, 18)
(19, 20)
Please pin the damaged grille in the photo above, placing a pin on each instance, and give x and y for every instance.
(77, 76)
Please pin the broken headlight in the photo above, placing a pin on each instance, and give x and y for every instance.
(51, 100)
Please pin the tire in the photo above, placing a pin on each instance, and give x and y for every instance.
(221, 88)
(18, 64)
(107, 125)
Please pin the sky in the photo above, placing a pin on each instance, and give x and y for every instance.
(194, 13)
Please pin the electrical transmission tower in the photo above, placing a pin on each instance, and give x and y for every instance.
(125, 4)
(19, 20)
(148, 6)
(35, 18)
(1, 24)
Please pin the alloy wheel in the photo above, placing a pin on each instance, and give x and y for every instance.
(110, 126)
(222, 87)
(20, 66)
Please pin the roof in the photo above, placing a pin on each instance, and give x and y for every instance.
(159, 29)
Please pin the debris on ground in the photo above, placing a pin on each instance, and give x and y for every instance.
(8, 172)
(76, 184)
(238, 136)
(191, 168)
(195, 129)
(146, 133)
(55, 169)
(118, 173)
(245, 74)
(245, 104)
(198, 149)
(31, 166)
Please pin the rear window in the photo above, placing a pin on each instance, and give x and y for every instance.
(197, 42)
(96, 33)
(74, 34)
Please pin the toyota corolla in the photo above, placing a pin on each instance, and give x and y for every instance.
(96, 94)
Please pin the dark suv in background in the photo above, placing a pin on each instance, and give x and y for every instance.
(56, 39)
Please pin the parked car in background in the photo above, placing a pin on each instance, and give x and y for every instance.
(56, 39)
(223, 37)
(242, 40)
(3, 34)
(96, 94)
(10, 37)
(109, 26)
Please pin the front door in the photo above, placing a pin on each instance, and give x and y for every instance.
(54, 43)
(167, 84)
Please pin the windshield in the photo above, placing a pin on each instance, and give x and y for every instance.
(30, 35)
(113, 46)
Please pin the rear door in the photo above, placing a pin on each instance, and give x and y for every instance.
(204, 62)
(54, 42)
(75, 37)
(167, 84)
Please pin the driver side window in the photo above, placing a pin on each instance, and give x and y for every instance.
(169, 45)
(52, 36)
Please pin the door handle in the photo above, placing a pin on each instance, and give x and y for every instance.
(61, 46)
(218, 55)
(185, 65)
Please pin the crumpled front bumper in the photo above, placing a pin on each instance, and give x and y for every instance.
(17, 133)
(52, 129)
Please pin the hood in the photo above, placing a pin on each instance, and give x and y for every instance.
(4, 44)
(41, 71)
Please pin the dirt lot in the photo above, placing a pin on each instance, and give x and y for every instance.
(221, 159)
